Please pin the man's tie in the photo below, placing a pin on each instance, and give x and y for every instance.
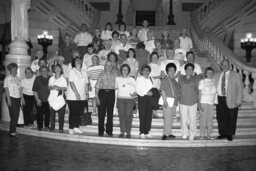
(223, 84)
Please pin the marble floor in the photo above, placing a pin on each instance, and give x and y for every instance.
(35, 153)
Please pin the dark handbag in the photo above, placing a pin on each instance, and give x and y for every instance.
(86, 118)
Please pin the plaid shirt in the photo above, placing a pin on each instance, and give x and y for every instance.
(106, 81)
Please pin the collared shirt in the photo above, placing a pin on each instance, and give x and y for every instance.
(219, 92)
(106, 81)
(150, 45)
(83, 39)
(106, 35)
(134, 66)
(80, 79)
(60, 82)
(125, 87)
(103, 56)
(27, 85)
(124, 47)
(197, 69)
(87, 60)
(186, 43)
(41, 87)
(143, 34)
(13, 84)
(143, 85)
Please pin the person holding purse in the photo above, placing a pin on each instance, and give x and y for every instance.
(57, 86)
(170, 93)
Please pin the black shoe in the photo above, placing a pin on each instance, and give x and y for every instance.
(61, 131)
(229, 138)
(221, 137)
(39, 129)
(128, 136)
(14, 135)
(110, 134)
(171, 136)
(164, 137)
(101, 134)
(121, 135)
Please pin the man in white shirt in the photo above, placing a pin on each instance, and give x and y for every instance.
(143, 32)
(190, 59)
(150, 43)
(185, 41)
(83, 39)
(123, 47)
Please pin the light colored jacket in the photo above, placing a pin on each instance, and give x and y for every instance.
(234, 89)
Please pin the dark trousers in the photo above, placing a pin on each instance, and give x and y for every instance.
(43, 114)
(14, 111)
(125, 112)
(107, 101)
(61, 114)
(145, 113)
(227, 118)
(82, 50)
(76, 109)
(28, 109)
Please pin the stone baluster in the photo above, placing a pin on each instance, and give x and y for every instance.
(246, 91)
(240, 72)
(253, 95)
(234, 68)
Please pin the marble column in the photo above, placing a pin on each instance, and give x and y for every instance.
(18, 48)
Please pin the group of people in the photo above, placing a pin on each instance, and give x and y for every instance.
(117, 68)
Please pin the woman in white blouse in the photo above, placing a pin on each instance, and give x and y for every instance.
(12, 92)
(76, 94)
(27, 97)
(125, 90)
(155, 69)
(57, 86)
(107, 33)
(144, 84)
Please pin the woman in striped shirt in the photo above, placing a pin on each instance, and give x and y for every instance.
(93, 73)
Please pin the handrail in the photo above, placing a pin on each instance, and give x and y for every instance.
(209, 43)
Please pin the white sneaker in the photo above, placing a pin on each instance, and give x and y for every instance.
(149, 135)
(184, 137)
(77, 130)
(142, 136)
(71, 131)
(191, 138)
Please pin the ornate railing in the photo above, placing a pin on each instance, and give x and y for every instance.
(210, 44)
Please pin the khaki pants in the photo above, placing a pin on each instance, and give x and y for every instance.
(168, 112)
(188, 116)
(206, 119)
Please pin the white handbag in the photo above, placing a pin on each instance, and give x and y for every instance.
(56, 102)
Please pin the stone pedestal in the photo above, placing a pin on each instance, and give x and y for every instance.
(19, 55)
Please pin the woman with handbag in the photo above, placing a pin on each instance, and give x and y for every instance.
(76, 94)
(144, 84)
(57, 86)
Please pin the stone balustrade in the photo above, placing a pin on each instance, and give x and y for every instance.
(85, 7)
(210, 44)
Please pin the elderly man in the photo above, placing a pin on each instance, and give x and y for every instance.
(66, 49)
(185, 41)
(122, 48)
(229, 90)
(83, 39)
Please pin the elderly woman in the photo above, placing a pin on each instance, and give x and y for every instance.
(76, 94)
(27, 97)
(188, 102)
(93, 73)
(41, 92)
(207, 95)
(144, 84)
(12, 92)
(57, 86)
(106, 34)
(105, 98)
(170, 93)
(132, 62)
(125, 90)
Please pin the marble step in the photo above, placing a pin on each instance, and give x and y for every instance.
(141, 144)
(241, 130)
